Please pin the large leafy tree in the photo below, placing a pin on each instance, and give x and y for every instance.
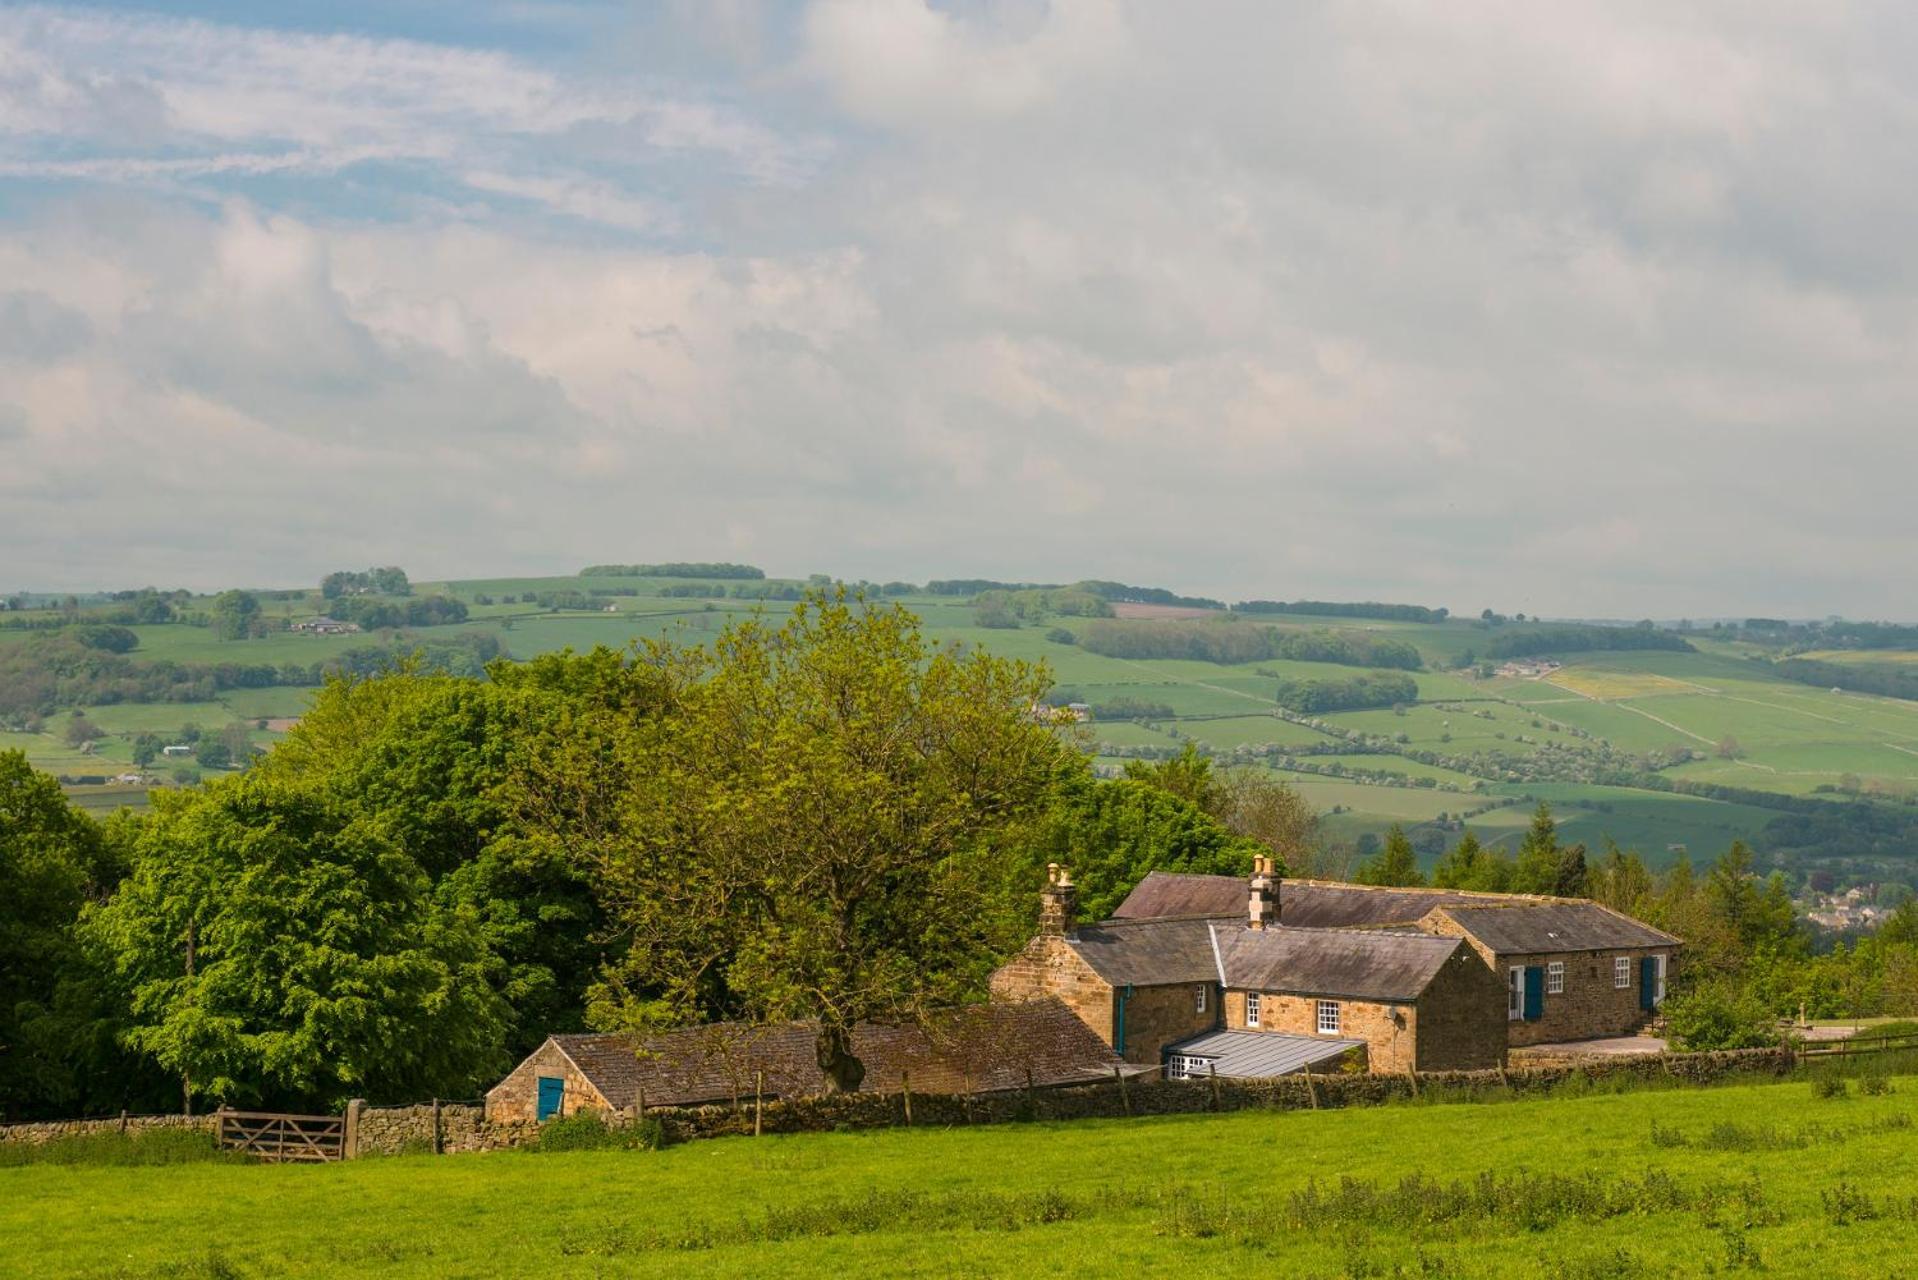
(53, 861)
(818, 825)
(1112, 833)
(276, 946)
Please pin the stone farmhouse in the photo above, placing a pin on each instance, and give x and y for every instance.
(1258, 977)
(979, 1049)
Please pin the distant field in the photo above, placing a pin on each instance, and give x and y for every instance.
(1741, 1180)
(1748, 728)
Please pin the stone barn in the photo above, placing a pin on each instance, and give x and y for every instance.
(973, 1050)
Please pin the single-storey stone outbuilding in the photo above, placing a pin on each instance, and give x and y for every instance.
(973, 1050)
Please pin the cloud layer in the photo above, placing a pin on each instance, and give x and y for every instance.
(1591, 310)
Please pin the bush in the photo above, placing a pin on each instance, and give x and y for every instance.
(1830, 1087)
(1718, 1016)
(1875, 1085)
(1059, 635)
(585, 1131)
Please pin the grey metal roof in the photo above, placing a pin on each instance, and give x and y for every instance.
(1262, 1053)
(1355, 963)
(1148, 952)
(1531, 928)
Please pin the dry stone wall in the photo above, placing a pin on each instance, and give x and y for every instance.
(465, 1128)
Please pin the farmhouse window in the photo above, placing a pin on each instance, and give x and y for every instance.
(1198, 998)
(1622, 972)
(1185, 1067)
(1515, 1003)
(1328, 1017)
(1555, 978)
(1251, 1008)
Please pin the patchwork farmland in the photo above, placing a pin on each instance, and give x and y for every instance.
(1473, 746)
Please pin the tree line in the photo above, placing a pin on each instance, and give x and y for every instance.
(675, 569)
(1582, 639)
(1333, 609)
(829, 819)
(1227, 643)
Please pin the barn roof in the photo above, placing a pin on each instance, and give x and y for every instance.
(1348, 963)
(1257, 1054)
(1148, 952)
(1524, 927)
(979, 1048)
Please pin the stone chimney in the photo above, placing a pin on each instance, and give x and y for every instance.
(1263, 906)
(1058, 902)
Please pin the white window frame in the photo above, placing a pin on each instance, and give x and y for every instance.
(1515, 1000)
(1658, 992)
(1198, 998)
(1328, 1017)
(1555, 977)
(1622, 972)
(1252, 1009)
(1182, 1066)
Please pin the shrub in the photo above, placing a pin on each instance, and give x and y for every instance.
(1830, 1087)
(1875, 1085)
(585, 1131)
(1718, 1016)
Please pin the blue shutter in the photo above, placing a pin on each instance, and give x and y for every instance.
(1534, 993)
(1647, 982)
(552, 1090)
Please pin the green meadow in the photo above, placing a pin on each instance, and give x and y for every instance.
(1743, 726)
(1740, 1179)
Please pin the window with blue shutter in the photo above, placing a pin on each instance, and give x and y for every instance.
(1647, 983)
(1534, 993)
(552, 1091)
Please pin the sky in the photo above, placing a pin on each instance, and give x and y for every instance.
(1582, 309)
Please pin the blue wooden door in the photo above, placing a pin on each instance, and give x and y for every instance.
(1647, 983)
(1534, 993)
(552, 1090)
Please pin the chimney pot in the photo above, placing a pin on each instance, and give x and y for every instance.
(1058, 902)
(1262, 908)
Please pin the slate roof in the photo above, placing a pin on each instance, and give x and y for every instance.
(984, 1048)
(1312, 904)
(1257, 1054)
(1529, 928)
(1148, 952)
(1348, 963)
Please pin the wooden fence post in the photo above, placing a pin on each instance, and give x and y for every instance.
(123, 1119)
(905, 1085)
(439, 1134)
(1125, 1094)
(1311, 1090)
(759, 1095)
(1214, 1068)
(219, 1126)
(1412, 1074)
(350, 1134)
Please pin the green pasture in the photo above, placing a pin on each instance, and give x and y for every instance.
(1648, 821)
(1762, 1178)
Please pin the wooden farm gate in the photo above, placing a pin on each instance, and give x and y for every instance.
(276, 1138)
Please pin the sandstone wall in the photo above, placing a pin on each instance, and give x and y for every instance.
(1047, 966)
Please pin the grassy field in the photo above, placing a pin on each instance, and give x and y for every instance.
(1786, 738)
(1747, 1178)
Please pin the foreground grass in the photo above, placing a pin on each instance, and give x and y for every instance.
(1721, 1181)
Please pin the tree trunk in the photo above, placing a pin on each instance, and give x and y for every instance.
(834, 1051)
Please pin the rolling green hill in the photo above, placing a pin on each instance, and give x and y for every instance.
(1609, 737)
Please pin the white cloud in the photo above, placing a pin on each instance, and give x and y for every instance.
(1579, 308)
